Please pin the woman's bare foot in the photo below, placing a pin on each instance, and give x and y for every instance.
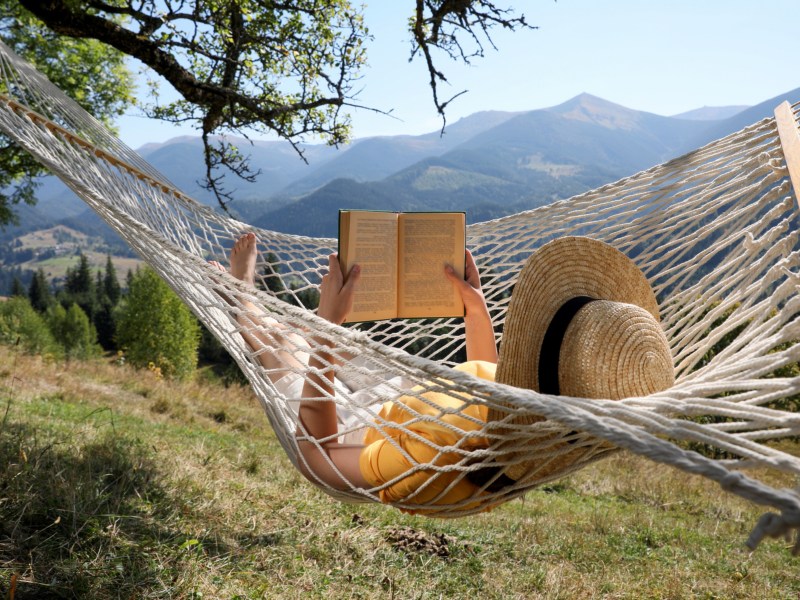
(279, 351)
(243, 258)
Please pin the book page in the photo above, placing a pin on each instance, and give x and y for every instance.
(369, 239)
(429, 241)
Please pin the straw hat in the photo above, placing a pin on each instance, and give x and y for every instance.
(582, 322)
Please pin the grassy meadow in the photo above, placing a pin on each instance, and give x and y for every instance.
(117, 484)
(67, 243)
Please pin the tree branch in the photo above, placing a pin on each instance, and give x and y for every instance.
(231, 63)
(263, 65)
(439, 23)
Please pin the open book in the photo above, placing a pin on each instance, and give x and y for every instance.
(402, 258)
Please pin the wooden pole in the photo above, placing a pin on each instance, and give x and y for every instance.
(790, 142)
(79, 141)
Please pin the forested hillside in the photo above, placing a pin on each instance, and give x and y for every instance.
(489, 164)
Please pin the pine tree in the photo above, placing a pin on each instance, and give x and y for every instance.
(17, 289)
(79, 287)
(111, 285)
(103, 317)
(105, 322)
(79, 279)
(272, 275)
(154, 326)
(39, 293)
(99, 292)
(302, 295)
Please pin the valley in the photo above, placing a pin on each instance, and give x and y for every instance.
(490, 164)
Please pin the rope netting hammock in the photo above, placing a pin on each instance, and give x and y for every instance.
(715, 232)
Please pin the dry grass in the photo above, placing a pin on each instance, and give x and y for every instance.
(116, 484)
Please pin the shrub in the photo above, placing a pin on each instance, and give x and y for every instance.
(154, 326)
(21, 324)
(73, 330)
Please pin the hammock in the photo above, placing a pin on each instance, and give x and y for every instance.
(715, 231)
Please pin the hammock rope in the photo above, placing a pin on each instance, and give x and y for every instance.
(715, 231)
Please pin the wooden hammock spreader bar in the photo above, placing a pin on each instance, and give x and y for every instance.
(790, 142)
(79, 141)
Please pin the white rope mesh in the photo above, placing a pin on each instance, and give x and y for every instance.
(715, 231)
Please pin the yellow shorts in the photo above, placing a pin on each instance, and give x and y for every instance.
(383, 461)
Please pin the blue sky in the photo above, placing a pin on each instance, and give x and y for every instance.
(661, 57)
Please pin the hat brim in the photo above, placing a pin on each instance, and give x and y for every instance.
(559, 271)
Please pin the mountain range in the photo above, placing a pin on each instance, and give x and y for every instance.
(489, 164)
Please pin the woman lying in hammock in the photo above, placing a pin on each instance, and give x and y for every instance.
(584, 309)
(319, 418)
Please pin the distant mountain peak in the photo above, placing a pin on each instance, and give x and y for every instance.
(591, 109)
(584, 98)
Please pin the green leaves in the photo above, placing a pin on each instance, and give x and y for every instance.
(72, 328)
(243, 66)
(155, 327)
(21, 325)
(92, 73)
(238, 66)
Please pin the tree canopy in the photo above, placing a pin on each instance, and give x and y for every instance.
(89, 71)
(255, 66)
(156, 327)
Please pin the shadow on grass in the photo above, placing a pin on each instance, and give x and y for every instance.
(76, 517)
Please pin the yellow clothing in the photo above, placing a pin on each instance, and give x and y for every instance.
(381, 461)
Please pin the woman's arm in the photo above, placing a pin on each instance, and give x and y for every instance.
(318, 417)
(479, 331)
(288, 354)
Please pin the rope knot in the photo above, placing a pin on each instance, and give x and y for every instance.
(749, 242)
(791, 276)
(774, 526)
(731, 481)
(778, 166)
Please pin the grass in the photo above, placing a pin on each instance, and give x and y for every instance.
(56, 267)
(69, 241)
(116, 484)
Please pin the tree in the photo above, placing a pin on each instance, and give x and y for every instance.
(17, 289)
(111, 283)
(22, 326)
(39, 293)
(444, 25)
(99, 291)
(90, 72)
(73, 330)
(271, 274)
(79, 287)
(7, 274)
(108, 292)
(154, 326)
(303, 295)
(212, 352)
(104, 321)
(244, 66)
(78, 279)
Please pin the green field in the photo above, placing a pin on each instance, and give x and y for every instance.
(56, 267)
(115, 484)
(68, 243)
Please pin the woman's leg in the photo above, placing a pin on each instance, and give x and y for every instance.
(278, 350)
